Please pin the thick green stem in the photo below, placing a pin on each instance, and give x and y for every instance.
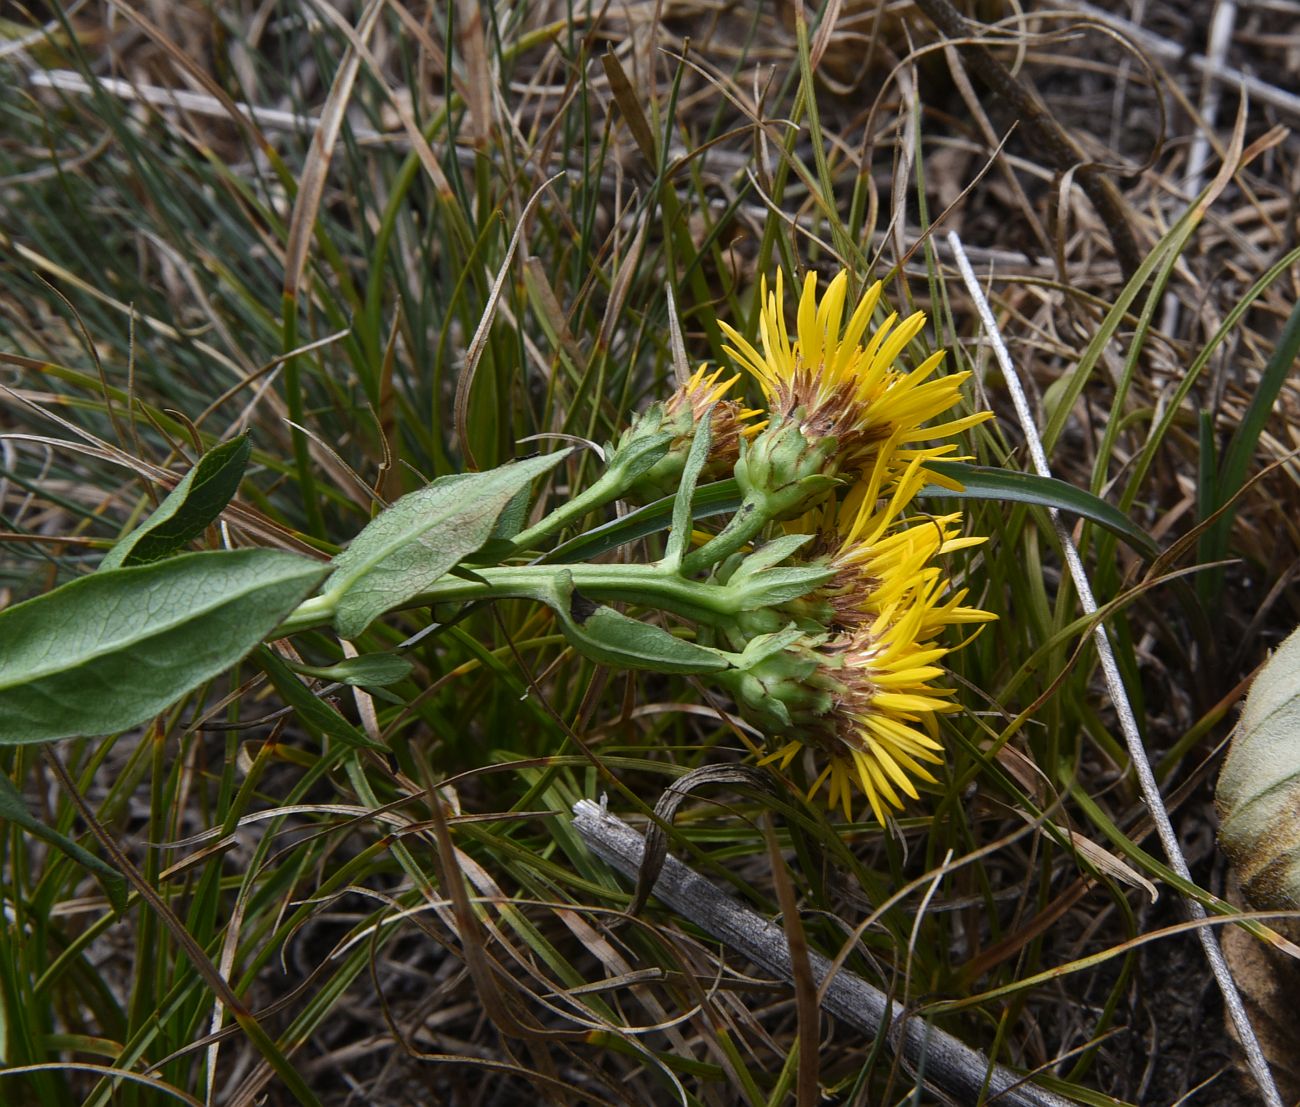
(314, 612)
(645, 585)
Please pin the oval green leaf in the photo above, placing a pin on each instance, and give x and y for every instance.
(421, 537)
(612, 638)
(190, 507)
(110, 650)
(369, 670)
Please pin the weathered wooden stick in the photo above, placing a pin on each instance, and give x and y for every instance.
(945, 1063)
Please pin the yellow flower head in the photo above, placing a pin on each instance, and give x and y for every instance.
(889, 604)
(680, 417)
(880, 555)
(881, 729)
(858, 694)
(845, 386)
(730, 421)
(884, 559)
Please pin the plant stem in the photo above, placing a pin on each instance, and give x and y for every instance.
(608, 487)
(750, 518)
(646, 585)
(314, 612)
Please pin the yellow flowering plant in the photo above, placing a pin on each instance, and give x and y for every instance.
(821, 605)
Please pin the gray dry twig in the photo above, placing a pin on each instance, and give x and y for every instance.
(945, 1062)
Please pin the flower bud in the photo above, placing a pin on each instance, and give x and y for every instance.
(789, 690)
(785, 470)
(652, 452)
(699, 398)
(845, 383)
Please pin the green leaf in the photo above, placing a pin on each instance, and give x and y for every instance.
(514, 516)
(760, 580)
(110, 650)
(370, 670)
(310, 709)
(15, 810)
(766, 646)
(510, 522)
(679, 538)
(776, 586)
(190, 507)
(981, 483)
(612, 638)
(423, 535)
(772, 553)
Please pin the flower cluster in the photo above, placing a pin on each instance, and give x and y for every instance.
(842, 458)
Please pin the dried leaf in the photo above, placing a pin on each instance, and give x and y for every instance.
(1258, 794)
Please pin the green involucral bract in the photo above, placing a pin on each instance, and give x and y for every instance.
(785, 472)
(650, 454)
(785, 688)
